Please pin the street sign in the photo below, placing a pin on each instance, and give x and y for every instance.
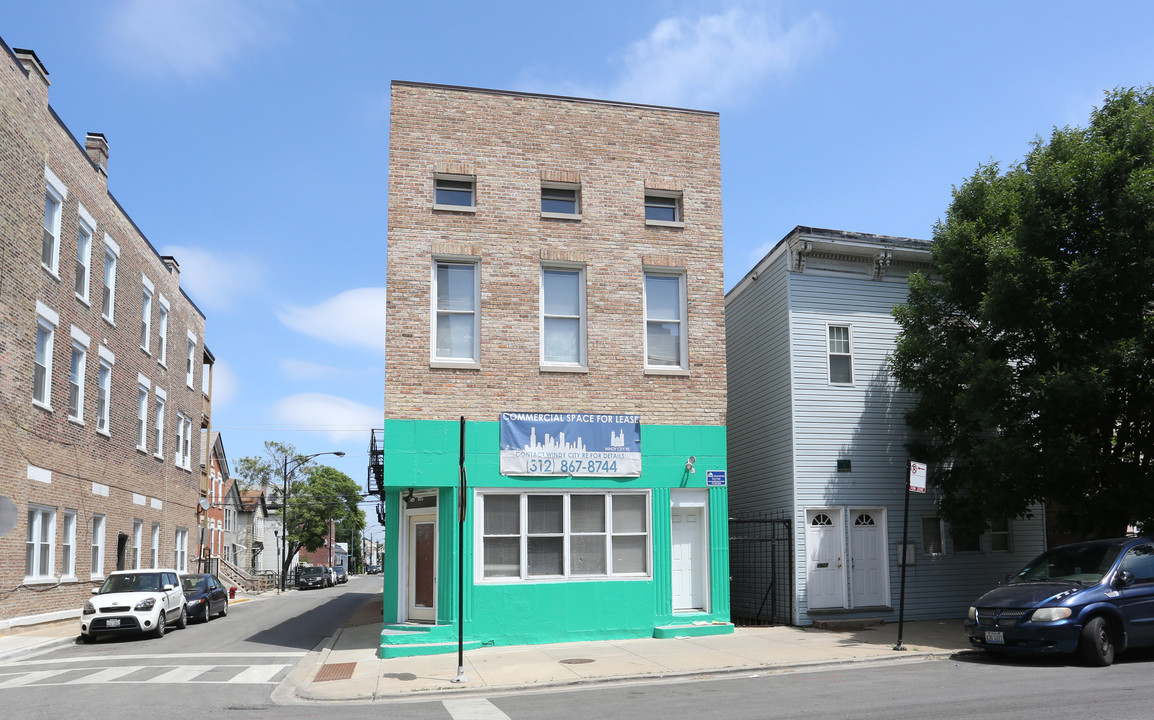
(715, 478)
(917, 477)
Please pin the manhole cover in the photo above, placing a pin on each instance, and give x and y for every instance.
(336, 671)
(576, 661)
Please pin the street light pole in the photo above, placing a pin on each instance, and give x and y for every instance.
(284, 506)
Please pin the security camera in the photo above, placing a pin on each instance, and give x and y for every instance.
(689, 464)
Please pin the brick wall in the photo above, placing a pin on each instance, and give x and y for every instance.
(511, 142)
(86, 471)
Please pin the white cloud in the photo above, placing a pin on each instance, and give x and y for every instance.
(304, 370)
(216, 281)
(343, 420)
(186, 39)
(354, 318)
(225, 385)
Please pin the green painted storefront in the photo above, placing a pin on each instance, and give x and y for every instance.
(421, 463)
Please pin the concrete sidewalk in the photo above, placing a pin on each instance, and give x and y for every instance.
(346, 667)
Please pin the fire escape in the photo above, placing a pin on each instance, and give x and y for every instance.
(376, 479)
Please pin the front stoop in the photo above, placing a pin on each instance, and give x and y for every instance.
(666, 632)
(846, 623)
(407, 640)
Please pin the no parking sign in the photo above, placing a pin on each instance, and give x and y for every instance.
(917, 477)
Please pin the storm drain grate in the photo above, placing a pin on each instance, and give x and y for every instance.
(335, 671)
(576, 661)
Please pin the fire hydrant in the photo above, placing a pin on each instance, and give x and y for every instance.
(232, 593)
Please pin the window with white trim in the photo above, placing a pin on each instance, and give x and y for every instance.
(142, 415)
(158, 424)
(190, 361)
(50, 247)
(840, 355)
(83, 255)
(162, 331)
(108, 295)
(666, 341)
(454, 192)
(456, 311)
(561, 200)
(146, 315)
(137, 542)
(154, 552)
(932, 535)
(564, 535)
(46, 322)
(563, 316)
(97, 566)
(80, 342)
(68, 546)
(663, 208)
(104, 390)
(180, 550)
(187, 464)
(38, 544)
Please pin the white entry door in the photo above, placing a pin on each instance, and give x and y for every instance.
(688, 562)
(422, 568)
(825, 574)
(868, 562)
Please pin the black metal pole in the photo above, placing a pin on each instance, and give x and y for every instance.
(284, 526)
(461, 565)
(903, 556)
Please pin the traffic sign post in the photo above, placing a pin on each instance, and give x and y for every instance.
(916, 483)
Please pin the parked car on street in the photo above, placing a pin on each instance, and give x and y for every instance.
(204, 596)
(341, 573)
(313, 576)
(134, 601)
(332, 576)
(1094, 598)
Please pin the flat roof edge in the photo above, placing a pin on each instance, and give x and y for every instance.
(547, 96)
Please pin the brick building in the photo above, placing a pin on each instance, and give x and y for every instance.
(102, 361)
(555, 279)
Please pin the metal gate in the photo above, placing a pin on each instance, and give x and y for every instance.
(761, 568)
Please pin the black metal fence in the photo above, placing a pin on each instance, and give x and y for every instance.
(761, 568)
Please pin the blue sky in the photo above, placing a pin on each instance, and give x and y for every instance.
(249, 138)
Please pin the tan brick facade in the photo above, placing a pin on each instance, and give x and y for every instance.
(48, 460)
(511, 143)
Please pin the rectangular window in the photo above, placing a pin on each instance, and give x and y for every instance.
(666, 344)
(76, 382)
(46, 321)
(457, 294)
(142, 417)
(108, 298)
(162, 332)
(145, 319)
(137, 542)
(83, 260)
(840, 355)
(68, 546)
(662, 208)
(932, 535)
(50, 248)
(179, 454)
(38, 542)
(454, 192)
(190, 361)
(103, 395)
(560, 199)
(563, 317)
(180, 551)
(97, 545)
(531, 536)
(187, 453)
(1000, 536)
(154, 553)
(158, 426)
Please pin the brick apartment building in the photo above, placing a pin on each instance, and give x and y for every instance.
(555, 279)
(102, 360)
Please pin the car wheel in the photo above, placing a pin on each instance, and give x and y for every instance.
(87, 639)
(206, 611)
(182, 621)
(224, 610)
(158, 631)
(1097, 644)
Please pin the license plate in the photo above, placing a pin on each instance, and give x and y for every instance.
(994, 637)
(113, 622)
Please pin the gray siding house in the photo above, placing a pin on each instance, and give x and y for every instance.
(816, 434)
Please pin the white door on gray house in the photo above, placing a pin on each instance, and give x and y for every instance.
(825, 554)
(868, 562)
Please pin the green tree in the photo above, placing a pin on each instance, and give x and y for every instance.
(1031, 348)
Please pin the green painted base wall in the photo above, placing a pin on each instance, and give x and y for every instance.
(425, 454)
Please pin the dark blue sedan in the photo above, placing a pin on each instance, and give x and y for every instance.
(1093, 598)
(204, 596)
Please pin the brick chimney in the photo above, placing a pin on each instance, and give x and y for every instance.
(33, 64)
(97, 148)
(171, 263)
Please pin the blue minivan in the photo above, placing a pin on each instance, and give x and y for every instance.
(1092, 598)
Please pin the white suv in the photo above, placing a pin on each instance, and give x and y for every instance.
(134, 601)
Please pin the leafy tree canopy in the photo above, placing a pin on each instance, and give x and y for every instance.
(1032, 348)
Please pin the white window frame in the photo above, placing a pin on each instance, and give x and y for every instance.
(567, 534)
(137, 542)
(468, 362)
(180, 550)
(40, 544)
(830, 354)
(55, 192)
(154, 551)
(111, 260)
(574, 188)
(941, 535)
(104, 390)
(682, 367)
(660, 199)
(96, 566)
(68, 547)
(46, 320)
(143, 386)
(438, 178)
(146, 293)
(581, 363)
(158, 422)
(187, 454)
(190, 361)
(162, 331)
(84, 234)
(76, 374)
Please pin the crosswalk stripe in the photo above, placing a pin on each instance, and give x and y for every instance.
(474, 709)
(31, 677)
(258, 674)
(106, 675)
(180, 674)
